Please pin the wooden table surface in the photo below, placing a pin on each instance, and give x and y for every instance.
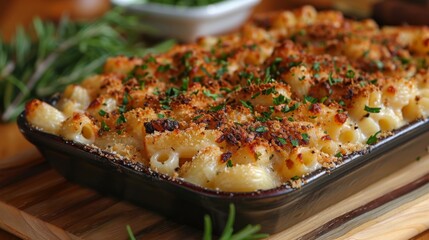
(16, 151)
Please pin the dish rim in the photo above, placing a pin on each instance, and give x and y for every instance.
(316, 177)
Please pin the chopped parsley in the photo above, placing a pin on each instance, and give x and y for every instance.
(247, 104)
(163, 68)
(294, 64)
(229, 163)
(261, 129)
(373, 138)
(305, 137)
(160, 115)
(294, 178)
(350, 74)
(221, 71)
(185, 84)
(287, 109)
(126, 98)
(197, 117)
(255, 95)
(332, 81)
(280, 100)
(104, 126)
(316, 66)
(151, 59)
(217, 108)
(310, 99)
(281, 140)
(294, 142)
(207, 93)
(338, 155)
(265, 115)
(372, 109)
(121, 119)
(268, 91)
(102, 113)
(205, 71)
(379, 64)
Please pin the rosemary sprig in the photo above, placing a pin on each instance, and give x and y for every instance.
(247, 233)
(38, 65)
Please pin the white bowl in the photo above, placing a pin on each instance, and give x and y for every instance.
(188, 23)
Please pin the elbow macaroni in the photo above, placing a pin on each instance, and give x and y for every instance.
(249, 111)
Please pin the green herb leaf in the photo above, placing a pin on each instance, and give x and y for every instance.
(373, 138)
(130, 233)
(229, 163)
(294, 142)
(247, 104)
(294, 178)
(121, 119)
(372, 109)
(305, 137)
(217, 108)
(281, 140)
(269, 91)
(102, 113)
(211, 95)
(316, 66)
(163, 68)
(280, 99)
(310, 99)
(332, 81)
(350, 74)
(261, 129)
(104, 126)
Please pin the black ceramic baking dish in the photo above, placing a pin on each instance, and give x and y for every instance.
(275, 209)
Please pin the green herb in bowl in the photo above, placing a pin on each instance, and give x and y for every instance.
(184, 3)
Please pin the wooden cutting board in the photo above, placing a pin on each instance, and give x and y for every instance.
(37, 203)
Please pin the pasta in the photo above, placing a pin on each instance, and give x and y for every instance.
(286, 95)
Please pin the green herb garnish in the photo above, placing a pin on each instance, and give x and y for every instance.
(102, 113)
(372, 109)
(373, 138)
(104, 126)
(294, 142)
(217, 108)
(350, 74)
(249, 232)
(294, 178)
(247, 104)
(261, 129)
(207, 93)
(305, 137)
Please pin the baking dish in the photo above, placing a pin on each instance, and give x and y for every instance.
(275, 209)
(188, 23)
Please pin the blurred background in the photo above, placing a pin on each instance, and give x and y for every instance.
(392, 12)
